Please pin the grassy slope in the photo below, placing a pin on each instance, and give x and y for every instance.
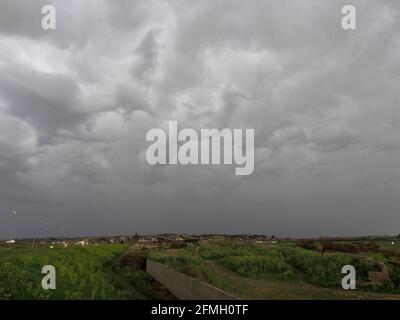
(133, 283)
(80, 272)
(92, 272)
(261, 286)
(273, 289)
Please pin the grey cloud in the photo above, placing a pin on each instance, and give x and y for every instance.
(48, 102)
(76, 103)
(21, 17)
(147, 54)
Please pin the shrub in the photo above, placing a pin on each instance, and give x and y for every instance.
(258, 265)
(390, 254)
(351, 248)
(368, 247)
(80, 274)
(339, 247)
(324, 270)
(308, 244)
(134, 259)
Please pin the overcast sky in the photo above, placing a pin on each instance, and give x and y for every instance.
(76, 104)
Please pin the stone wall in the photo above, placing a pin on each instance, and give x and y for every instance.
(184, 287)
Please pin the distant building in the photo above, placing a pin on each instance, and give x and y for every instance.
(82, 243)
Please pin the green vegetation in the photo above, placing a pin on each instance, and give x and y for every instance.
(287, 270)
(80, 273)
(324, 270)
(91, 272)
(130, 273)
(253, 265)
(248, 270)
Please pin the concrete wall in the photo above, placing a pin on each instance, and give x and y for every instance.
(184, 287)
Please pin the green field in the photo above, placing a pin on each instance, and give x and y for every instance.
(248, 270)
(283, 271)
(92, 272)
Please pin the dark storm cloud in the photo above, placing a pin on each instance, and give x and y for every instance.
(48, 102)
(18, 17)
(76, 103)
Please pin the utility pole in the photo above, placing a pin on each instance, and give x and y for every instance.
(13, 218)
(45, 240)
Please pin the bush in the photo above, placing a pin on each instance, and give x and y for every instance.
(390, 254)
(324, 270)
(80, 274)
(216, 251)
(135, 259)
(339, 247)
(368, 247)
(263, 265)
(308, 244)
(351, 248)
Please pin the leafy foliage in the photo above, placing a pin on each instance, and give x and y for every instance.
(258, 265)
(80, 274)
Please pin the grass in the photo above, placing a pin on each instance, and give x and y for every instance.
(276, 271)
(247, 270)
(84, 273)
(271, 288)
(80, 272)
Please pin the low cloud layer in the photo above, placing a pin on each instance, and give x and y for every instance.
(76, 104)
